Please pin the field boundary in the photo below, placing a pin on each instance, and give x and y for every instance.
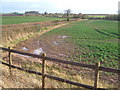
(44, 58)
(20, 32)
(24, 31)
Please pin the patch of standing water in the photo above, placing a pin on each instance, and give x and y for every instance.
(38, 51)
(25, 49)
(63, 55)
(24, 56)
(38, 43)
(63, 36)
(55, 43)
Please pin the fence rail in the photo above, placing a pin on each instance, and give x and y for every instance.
(49, 76)
(63, 61)
(44, 58)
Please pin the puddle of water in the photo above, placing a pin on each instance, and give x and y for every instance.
(38, 43)
(63, 36)
(63, 55)
(55, 43)
(25, 49)
(38, 51)
(24, 56)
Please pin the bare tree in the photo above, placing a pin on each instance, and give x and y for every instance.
(45, 13)
(68, 11)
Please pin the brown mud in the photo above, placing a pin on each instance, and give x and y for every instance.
(56, 47)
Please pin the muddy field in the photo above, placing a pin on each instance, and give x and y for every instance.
(54, 46)
(57, 47)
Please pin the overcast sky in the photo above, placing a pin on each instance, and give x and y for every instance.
(58, 6)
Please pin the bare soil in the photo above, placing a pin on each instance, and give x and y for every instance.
(56, 47)
(53, 46)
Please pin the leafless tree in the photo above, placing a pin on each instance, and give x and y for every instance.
(68, 11)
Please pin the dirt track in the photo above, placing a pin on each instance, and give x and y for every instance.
(53, 45)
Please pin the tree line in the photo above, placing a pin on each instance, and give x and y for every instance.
(113, 17)
(67, 14)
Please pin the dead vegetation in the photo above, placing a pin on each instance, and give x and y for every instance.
(12, 34)
(20, 79)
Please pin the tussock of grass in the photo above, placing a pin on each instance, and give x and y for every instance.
(83, 37)
(13, 34)
(20, 79)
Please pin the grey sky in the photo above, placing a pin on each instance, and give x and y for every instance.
(58, 6)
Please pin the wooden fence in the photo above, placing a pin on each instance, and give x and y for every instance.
(44, 58)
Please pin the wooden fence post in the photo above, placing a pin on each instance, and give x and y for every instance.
(43, 70)
(9, 58)
(118, 86)
(97, 65)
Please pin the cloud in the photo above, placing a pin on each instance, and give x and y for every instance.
(21, 0)
(27, 6)
(84, 6)
(105, 6)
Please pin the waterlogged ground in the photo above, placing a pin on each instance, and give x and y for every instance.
(94, 40)
(87, 41)
(54, 46)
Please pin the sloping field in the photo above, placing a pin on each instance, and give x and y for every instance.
(94, 41)
(87, 41)
(15, 33)
(25, 19)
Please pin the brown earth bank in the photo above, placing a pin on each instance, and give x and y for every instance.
(11, 34)
(56, 46)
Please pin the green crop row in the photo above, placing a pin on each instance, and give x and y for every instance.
(25, 19)
(95, 40)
